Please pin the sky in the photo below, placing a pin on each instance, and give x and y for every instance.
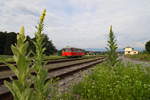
(81, 23)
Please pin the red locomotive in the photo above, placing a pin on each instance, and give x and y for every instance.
(73, 52)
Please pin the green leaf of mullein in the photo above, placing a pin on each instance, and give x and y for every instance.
(20, 88)
(10, 87)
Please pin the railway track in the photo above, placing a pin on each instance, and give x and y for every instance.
(5, 67)
(59, 70)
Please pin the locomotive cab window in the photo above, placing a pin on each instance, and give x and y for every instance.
(79, 50)
(72, 49)
(67, 50)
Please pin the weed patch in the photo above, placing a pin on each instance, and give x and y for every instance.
(130, 82)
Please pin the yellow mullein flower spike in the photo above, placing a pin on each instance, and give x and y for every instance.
(43, 15)
(22, 33)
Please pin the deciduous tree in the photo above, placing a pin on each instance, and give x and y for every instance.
(147, 46)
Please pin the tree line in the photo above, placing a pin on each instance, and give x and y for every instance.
(10, 38)
(147, 46)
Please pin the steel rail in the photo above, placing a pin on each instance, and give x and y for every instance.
(8, 75)
(48, 61)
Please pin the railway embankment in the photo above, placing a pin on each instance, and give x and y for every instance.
(67, 72)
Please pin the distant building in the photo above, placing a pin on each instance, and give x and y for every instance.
(130, 51)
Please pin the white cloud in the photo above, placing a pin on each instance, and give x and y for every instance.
(81, 23)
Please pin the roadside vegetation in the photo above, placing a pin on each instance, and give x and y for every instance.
(121, 82)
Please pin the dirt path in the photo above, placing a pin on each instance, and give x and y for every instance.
(126, 60)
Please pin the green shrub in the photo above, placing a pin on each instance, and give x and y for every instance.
(131, 82)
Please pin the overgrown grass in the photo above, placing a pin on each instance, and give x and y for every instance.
(122, 82)
(141, 56)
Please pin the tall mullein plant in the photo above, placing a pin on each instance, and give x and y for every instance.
(20, 88)
(112, 48)
(41, 85)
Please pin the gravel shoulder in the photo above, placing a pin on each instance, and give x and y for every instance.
(130, 60)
